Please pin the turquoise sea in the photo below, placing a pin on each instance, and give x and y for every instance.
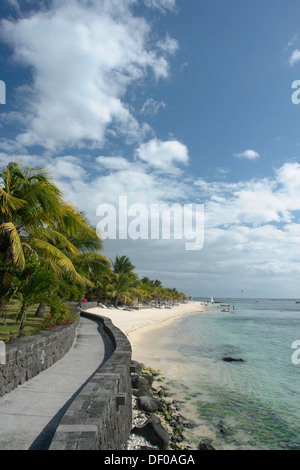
(242, 405)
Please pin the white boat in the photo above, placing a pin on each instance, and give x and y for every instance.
(212, 300)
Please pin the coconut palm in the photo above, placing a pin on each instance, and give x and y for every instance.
(36, 222)
(28, 201)
(30, 285)
(78, 245)
(122, 264)
(26, 196)
(122, 288)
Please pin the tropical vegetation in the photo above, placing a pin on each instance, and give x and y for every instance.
(50, 255)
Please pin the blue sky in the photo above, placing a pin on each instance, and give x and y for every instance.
(167, 101)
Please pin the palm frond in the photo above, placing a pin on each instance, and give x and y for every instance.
(55, 238)
(76, 225)
(93, 260)
(50, 251)
(10, 203)
(16, 248)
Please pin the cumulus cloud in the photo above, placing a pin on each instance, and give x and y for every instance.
(68, 167)
(87, 55)
(248, 154)
(253, 202)
(163, 156)
(289, 176)
(113, 163)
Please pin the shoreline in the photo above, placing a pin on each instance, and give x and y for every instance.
(135, 323)
(149, 332)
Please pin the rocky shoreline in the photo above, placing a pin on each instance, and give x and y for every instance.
(157, 420)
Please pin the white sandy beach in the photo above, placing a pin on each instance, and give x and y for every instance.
(144, 329)
(150, 332)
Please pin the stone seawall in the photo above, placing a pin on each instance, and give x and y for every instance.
(100, 417)
(26, 357)
(87, 305)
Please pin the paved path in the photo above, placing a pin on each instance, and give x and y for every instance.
(30, 414)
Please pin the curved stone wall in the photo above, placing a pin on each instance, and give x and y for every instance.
(100, 417)
(26, 357)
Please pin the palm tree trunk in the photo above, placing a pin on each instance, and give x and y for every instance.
(23, 319)
(40, 312)
(2, 283)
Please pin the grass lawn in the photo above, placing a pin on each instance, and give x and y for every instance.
(11, 330)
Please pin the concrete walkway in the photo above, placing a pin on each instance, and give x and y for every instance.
(30, 414)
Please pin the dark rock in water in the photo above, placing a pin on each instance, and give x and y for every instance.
(142, 392)
(149, 404)
(140, 386)
(154, 432)
(182, 421)
(222, 428)
(141, 380)
(205, 445)
(232, 359)
(177, 438)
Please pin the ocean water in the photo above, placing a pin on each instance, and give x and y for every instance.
(241, 405)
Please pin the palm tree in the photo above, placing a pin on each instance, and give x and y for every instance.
(31, 285)
(28, 200)
(26, 196)
(122, 264)
(79, 242)
(122, 288)
(36, 222)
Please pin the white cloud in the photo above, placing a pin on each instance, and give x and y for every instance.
(289, 176)
(169, 45)
(161, 4)
(295, 57)
(255, 215)
(86, 56)
(113, 163)
(68, 167)
(11, 146)
(248, 154)
(253, 202)
(163, 156)
(23, 159)
(151, 106)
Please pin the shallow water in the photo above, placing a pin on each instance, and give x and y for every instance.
(249, 405)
